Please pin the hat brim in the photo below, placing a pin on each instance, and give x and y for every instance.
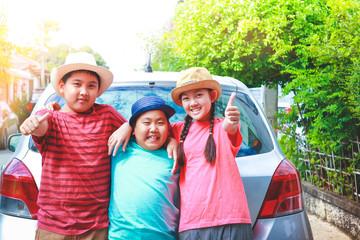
(169, 112)
(210, 84)
(106, 77)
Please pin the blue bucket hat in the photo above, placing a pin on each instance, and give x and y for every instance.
(149, 103)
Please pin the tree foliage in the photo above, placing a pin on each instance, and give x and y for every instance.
(56, 55)
(47, 27)
(309, 46)
(19, 106)
(5, 49)
(327, 86)
(163, 53)
(237, 38)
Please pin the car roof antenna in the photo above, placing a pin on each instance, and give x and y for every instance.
(148, 67)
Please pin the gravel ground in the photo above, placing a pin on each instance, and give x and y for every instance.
(324, 230)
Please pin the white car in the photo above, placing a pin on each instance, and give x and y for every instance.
(272, 183)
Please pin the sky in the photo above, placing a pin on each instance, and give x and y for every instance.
(110, 27)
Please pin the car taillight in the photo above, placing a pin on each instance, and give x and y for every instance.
(18, 191)
(284, 195)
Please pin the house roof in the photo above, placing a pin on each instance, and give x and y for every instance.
(26, 64)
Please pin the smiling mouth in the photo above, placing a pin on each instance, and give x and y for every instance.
(152, 138)
(195, 110)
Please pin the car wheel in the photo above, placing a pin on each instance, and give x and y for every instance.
(4, 139)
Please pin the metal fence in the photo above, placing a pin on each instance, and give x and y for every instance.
(338, 172)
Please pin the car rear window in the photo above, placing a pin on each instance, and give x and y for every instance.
(256, 138)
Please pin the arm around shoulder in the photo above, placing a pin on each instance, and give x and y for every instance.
(120, 136)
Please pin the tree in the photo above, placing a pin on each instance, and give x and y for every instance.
(163, 53)
(309, 46)
(47, 27)
(53, 56)
(99, 59)
(56, 55)
(5, 49)
(242, 39)
(327, 86)
(233, 38)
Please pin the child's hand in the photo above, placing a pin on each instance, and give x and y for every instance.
(122, 135)
(172, 152)
(232, 116)
(33, 123)
(52, 106)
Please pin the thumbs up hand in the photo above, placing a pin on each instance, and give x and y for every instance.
(232, 116)
(36, 125)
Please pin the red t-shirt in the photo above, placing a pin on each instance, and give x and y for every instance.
(211, 194)
(75, 181)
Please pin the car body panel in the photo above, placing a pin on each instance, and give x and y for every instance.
(15, 228)
(256, 177)
(294, 227)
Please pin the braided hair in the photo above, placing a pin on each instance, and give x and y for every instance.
(210, 148)
(180, 148)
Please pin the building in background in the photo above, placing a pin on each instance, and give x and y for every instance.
(23, 78)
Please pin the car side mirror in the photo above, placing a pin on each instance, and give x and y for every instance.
(13, 141)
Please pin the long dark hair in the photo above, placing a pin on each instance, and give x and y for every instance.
(210, 148)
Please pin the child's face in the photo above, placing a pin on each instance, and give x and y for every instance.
(80, 92)
(197, 103)
(151, 129)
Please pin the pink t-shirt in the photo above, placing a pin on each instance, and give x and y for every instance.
(211, 194)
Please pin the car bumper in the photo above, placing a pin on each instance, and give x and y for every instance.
(296, 226)
(15, 228)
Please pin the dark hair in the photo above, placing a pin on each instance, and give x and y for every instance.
(92, 73)
(210, 148)
(166, 116)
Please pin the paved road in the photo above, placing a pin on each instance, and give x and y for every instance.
(324, 230)
(321, 229)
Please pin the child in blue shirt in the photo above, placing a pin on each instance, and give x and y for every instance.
(144, 194)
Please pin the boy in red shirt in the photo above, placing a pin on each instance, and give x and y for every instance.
(75, 181)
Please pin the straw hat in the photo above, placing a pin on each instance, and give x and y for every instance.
(194, 78)
(81, 61)
(149, 103)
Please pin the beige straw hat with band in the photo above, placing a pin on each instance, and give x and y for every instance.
(81, 61)
(194, 78)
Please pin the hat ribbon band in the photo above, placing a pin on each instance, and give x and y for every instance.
(191, 81)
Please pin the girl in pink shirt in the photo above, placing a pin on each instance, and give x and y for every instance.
(213, 201)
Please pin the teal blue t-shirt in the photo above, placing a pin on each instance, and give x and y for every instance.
(144, 195)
